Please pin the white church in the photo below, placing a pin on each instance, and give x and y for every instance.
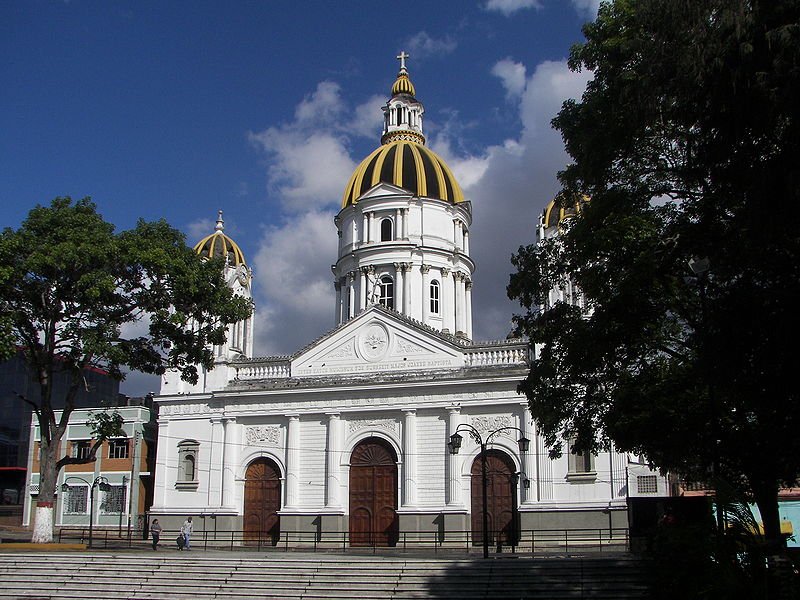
(372, 433)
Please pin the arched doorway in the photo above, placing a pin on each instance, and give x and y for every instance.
(500, 489)
(373, 494)
(262, 501)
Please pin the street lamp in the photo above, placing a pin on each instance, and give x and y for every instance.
(700, 268)
(454, 445)
(100, 482)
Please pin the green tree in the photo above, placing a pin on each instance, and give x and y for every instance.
(69, 284)
(687, 142)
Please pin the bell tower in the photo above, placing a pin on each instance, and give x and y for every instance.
(404, 226)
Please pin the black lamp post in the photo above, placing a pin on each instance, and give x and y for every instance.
(100, 482)
(454, 445)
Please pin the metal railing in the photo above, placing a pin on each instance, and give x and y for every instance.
(531, 542)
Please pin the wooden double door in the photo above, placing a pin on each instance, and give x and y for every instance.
(262, 501)
(500, 492)
(373, 494)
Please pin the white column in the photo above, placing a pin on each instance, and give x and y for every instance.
(466, 241)
(166, 452)
(529, 457)
(410, 457)
(333, 487)
(447, 305)
(338, 287)
(371, 227)
(351, 295)
(292, 460)
(426, 290)
(230, 458)
(362, 288)
(455, 234)
(468, 307)
(406, 287)
(398, 224)
(453, 474)
(216, 462)
(458, 286)
(405, 223)
(544, 470)
(365, 229)
(399, 296)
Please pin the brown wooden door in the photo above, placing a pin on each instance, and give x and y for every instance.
(373, 494)
(262, 501)
(499, 503)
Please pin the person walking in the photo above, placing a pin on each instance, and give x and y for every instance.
(155, 531)
(187, 532)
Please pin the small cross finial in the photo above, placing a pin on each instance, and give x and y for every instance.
(402, 58)
(220, 223)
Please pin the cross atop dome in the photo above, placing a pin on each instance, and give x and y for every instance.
(220, 223)
(402, 58)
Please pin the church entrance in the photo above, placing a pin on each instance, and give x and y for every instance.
(500, 490)
(262, 501)
(373, 494)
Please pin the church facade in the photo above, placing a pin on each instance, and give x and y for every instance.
(374, 432)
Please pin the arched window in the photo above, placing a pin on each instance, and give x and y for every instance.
(386, 294)
(187, 464)
(386, 230)
(434, 293)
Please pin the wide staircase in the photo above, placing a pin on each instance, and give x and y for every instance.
(199, 576)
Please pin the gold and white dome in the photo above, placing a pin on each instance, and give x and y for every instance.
(403, 160)
(219, 245)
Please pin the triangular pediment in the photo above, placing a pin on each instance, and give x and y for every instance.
(384, 190)
(377, 341)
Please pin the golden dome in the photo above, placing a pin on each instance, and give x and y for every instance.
(555, 212)
(408, 165)
(403, 85)
(220, 245)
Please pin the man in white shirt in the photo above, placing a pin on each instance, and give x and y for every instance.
(187, 531)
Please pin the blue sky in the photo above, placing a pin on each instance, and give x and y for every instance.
(262, 109)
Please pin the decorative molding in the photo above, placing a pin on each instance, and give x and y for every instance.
(346, 350)
(486, 424)
(374, 342)
(425, 269)
(406, 347)
(387, 424)
(263, 435)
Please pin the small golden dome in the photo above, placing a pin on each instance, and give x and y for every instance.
(558, 211)
(403, 85)
(220, 245)
(408, 165)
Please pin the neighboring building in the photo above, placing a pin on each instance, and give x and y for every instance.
(15, 424)
(125, 463)
(350, 434)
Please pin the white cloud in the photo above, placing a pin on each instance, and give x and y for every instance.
(293, 281)
(422, 45)
(509, 187)
(509, 7)
(512, 76)
(368, 117)
(586, 8)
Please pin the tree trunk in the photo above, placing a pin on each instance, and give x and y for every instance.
(766, 496)
(48, 474)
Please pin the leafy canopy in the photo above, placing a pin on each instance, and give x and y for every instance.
(71, 287)
(686, 140)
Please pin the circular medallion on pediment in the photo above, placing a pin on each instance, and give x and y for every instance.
(373, 342)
